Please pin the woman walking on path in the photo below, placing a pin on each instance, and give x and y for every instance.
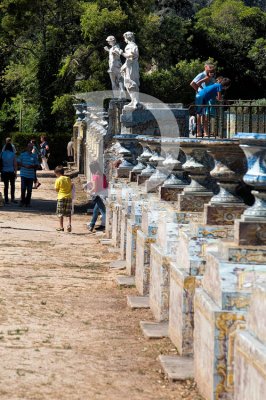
(9, 171)
(98, 191)
(44, 153)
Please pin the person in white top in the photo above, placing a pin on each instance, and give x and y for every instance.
(70, 150)
(207, 77)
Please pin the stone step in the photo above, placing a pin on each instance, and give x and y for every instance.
(113, 250)
(125, 281)
(135, 302)
(177, 368)
(118, 264)
(154, 330)
(106, 242)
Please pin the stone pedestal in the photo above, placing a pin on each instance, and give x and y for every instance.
(133, 224)
(162, 254)
(152, 213)
(169, 193)
(220, 310)
(250, 351)
(185, 275)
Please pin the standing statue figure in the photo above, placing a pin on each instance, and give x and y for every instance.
(115, 67)
(130, 69)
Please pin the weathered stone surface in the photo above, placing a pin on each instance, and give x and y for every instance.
(123, 239)
(177, 368)
(142, 272)
(191, 202)
(181, 309)
(159, 283)
(169, 193)
(141, 179)
(125, 281)
(118, 264)
(220, 310)
(138, 302)
(250, 233)
(216, 214)
(250, 351)
(154, 330)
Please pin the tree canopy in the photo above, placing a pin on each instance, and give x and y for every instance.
(52, 49)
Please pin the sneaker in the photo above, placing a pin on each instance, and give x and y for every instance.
(90, 228)
(60, 229)
(100, 228)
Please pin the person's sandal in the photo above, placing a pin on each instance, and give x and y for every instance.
(69, 228)
(60, 229)
(38, 185)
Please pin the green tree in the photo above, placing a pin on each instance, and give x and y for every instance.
(227, 31)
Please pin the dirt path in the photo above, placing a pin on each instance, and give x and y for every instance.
(65, 330)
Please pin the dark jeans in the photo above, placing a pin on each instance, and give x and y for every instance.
(99, 208)
(6, 178)
(26, 186)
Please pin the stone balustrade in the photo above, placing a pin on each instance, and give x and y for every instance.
(197, 253)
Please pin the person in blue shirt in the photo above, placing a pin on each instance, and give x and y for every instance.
(28, 163)
(9, 171)
(207, 94)
(206, 78)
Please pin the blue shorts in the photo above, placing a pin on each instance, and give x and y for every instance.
(200, 102)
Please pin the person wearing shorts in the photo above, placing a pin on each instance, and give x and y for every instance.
(63, 186)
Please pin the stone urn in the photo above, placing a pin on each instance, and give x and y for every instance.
(254, 147)
(229, 169)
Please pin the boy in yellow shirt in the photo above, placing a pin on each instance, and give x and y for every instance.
(63, 186)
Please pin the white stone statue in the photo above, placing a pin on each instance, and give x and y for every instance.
(130, 69)
(115, 67)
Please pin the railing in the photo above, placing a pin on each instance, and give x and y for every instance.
(225, 120)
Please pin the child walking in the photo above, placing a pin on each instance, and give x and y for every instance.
(63, 186)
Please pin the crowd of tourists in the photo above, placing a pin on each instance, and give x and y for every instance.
(29, 161)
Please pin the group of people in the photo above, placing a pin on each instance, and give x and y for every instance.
(97, 189)
(209, 91)
(28, 161)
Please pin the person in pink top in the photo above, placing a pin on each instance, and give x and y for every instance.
(98, 191)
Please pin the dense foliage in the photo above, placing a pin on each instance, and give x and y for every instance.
(51, 49)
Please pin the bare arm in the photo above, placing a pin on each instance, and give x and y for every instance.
(194, 85)
(15, 164)
(219, 96)
(206, 79)
(92, 190)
